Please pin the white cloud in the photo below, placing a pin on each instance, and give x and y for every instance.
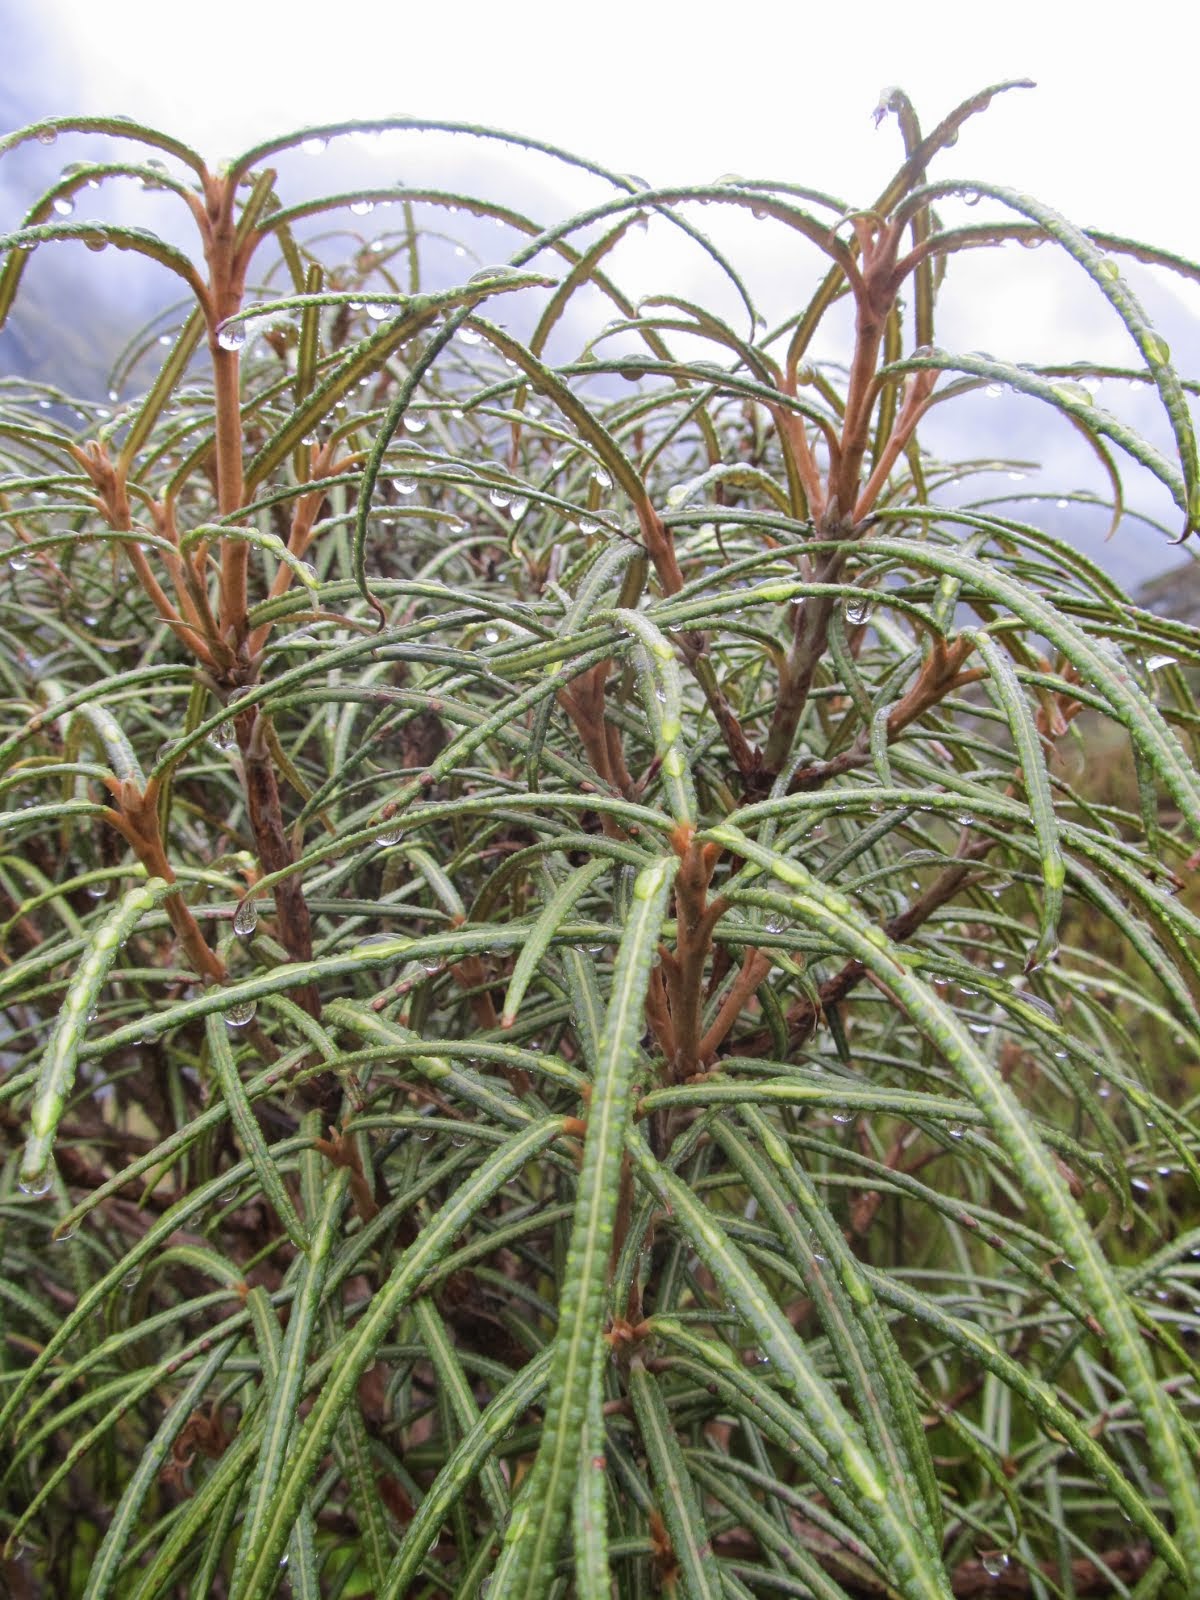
(677, 91)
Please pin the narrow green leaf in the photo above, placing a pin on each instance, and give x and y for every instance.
(540, 1514)
(220, 1054)
(848, 1474)
(832, 912)
(257, 1573)
(691, 1544)
(553, 913)
(1028, 746)
(56, 1075)
(589, 1522)
(287, 1387)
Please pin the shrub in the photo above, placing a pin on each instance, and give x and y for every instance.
(538, 1043)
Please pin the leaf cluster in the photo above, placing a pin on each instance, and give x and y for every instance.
(573, 1021)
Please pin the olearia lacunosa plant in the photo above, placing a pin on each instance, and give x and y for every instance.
(577, 1019)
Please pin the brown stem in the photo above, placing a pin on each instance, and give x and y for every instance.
(274, 851)
(810, 637)
(226, 270)
(693, 940)
(793, 436)
(136, 819)
(755, 966)
(304, 516)
(658, 1009)
(916, 404)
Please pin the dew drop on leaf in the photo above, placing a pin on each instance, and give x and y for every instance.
(35, 1183)
(231, 336)
(240, 1015)
(245, 919)
(1071, 393)
(1158, 352)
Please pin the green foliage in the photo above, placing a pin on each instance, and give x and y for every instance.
(571, 1019)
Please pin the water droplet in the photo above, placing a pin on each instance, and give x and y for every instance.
(47, 135)
(1038, 1004)
(231, 336)
(1062, 504)
(470, 335)
(995, 1565)
(239, 1015)
(64, 205)
(1072, 393)
(1157, 350)
(518, 508)
(35, 1183)
(856, 610)
(492, 635)
(994, 390)
(601, 478)
(314, 147)
(245, 919)
(415, 424)
(362, 208)
(499, 497)
(96, 242)
(1153, 663)
(404, 485)
(586, 525)
(18, 563)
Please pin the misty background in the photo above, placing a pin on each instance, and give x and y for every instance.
(673, 93)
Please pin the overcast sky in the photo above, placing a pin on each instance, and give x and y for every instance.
(669, 90)
(688, 92)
